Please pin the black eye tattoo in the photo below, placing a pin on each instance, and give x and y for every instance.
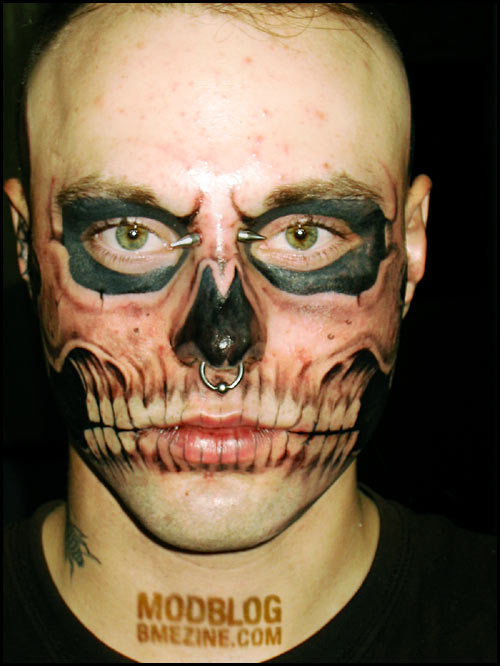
(353, 272)
(77, 218)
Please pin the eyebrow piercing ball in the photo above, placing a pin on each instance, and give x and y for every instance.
(187, 241)
(247, 236)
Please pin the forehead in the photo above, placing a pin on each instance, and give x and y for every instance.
(178, 100)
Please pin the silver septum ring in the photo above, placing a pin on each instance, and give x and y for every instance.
(222, 387)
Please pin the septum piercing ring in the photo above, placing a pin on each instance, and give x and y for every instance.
(222, 387)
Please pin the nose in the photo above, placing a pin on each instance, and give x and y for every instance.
(221, 330)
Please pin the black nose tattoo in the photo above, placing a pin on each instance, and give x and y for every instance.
(221, 330)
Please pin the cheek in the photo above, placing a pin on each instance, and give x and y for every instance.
(303, 329)
(73, 316)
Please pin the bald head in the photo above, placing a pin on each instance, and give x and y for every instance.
(173, 89)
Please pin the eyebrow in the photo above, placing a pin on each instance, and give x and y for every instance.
(98, 187)
(337, 186)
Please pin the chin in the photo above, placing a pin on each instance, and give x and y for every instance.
(198, 503)
(211, 513)
(215, 511)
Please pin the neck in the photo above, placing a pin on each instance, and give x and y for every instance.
(126, 588)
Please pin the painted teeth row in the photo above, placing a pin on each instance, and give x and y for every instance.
(151, 448)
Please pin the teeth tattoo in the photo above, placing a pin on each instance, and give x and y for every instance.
(120, 428)
(124, 349)
(151, 449)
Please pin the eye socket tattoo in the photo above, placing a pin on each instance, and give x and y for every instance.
(334, 245)
(130, 246)
(117, 247)
(309, 243)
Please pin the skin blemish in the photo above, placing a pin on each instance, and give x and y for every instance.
(247, 60)
(320, 114)
(132, 311)
(136, 330)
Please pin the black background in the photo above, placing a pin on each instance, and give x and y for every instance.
(435, 449)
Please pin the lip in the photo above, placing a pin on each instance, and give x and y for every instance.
(187, 447)
(219, 423)
(220, 444)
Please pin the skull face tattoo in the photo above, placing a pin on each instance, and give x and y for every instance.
(125, 363)
(222, 355)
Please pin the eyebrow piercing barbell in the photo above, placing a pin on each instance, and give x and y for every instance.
(247, 236)
(187, 241)
(222, 387)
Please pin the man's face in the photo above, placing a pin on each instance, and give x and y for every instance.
(144, 129)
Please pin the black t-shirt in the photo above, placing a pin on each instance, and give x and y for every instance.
(429, 597)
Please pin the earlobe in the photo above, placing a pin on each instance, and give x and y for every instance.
(21, 223)
(416, 213)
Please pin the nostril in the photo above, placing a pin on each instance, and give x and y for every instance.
(204, 340)
(219, 330)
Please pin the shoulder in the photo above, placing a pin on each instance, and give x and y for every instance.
(26, 588)
(435, 544)
(456, 555)
(446, 603)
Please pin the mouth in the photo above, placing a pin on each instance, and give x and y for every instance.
(205, 444)
(223, 445)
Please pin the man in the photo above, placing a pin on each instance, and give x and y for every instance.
(221, 240)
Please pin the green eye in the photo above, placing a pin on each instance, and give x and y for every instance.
(130, 236)
(302, 237)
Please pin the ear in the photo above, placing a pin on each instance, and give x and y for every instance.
(416, 212)
(22, 225)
